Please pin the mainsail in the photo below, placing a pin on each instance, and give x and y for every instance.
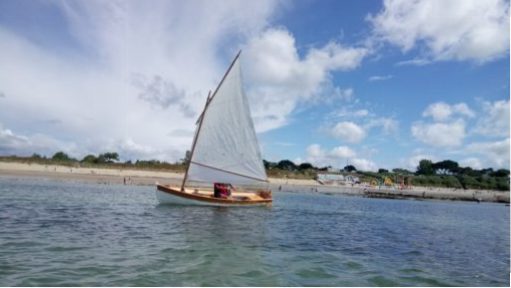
(226, 148)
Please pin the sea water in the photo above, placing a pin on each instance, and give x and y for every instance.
(72, 234)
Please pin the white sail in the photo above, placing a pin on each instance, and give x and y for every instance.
(226, 148)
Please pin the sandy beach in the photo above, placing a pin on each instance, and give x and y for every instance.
(149, 177)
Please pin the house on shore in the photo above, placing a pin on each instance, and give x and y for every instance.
(329, 178)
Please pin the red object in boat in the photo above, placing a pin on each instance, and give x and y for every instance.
(222, 190)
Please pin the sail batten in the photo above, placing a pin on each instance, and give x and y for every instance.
(226, 147)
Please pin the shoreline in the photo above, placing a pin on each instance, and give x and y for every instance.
(148, 177)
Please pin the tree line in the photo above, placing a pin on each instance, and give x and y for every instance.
(107, 159)
(445, 173)
(449, 173)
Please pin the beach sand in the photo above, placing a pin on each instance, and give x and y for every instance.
(97, 175)
(150, 177)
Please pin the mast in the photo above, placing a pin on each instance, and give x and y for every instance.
(195, 140)
(202, 118)
(223, 78)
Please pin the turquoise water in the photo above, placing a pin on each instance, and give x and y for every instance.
(73, 234)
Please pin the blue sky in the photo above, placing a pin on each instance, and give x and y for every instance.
(376, 84)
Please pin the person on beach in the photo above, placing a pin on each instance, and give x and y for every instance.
(222, 190)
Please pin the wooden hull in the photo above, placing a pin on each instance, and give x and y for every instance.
(173, 195)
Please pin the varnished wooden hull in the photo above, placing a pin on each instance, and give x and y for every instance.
(173, 195)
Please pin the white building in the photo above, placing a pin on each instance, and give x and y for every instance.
(339, 179)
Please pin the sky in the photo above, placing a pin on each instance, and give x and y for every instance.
(374, 84)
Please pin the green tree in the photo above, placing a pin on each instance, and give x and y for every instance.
(425, 167)
(36, 156)
(402, 171)
(500, 173)
(451, 182)
(61, 156)
(109, 157)
(469, 182)
(434, 181)
(382, 171)
(89, 159)
(468, 171)
(487, 171)
(305, 166)
(269, 165)
(502, 184)
(188, 156)
(446, 167)
(286, 165)
(350, 168)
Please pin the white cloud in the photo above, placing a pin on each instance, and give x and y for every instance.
(440, 134)
(336, 157)
(496, 153)
(364, 164)
(361, 113)
(337, 94)
(317, 156)
(131, 73)
(450, 30)
(361, 127)
(388, 125)
(462, 109)
(285, 144)
(279, 79)
(348, 132)
(472, 162)
(25, 145)
(12, 143)
(495, 119)
(380, 78)
(131, 150)
(414, 62)
(447, 131)
(345, 112)
(314, 150)
(441, 111)
(342, 152)
(331, 95)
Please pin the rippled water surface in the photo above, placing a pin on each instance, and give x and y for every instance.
(63, 233)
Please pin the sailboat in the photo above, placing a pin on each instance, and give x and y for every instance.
(225, 167)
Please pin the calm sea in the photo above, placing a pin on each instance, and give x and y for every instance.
(73, 234)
